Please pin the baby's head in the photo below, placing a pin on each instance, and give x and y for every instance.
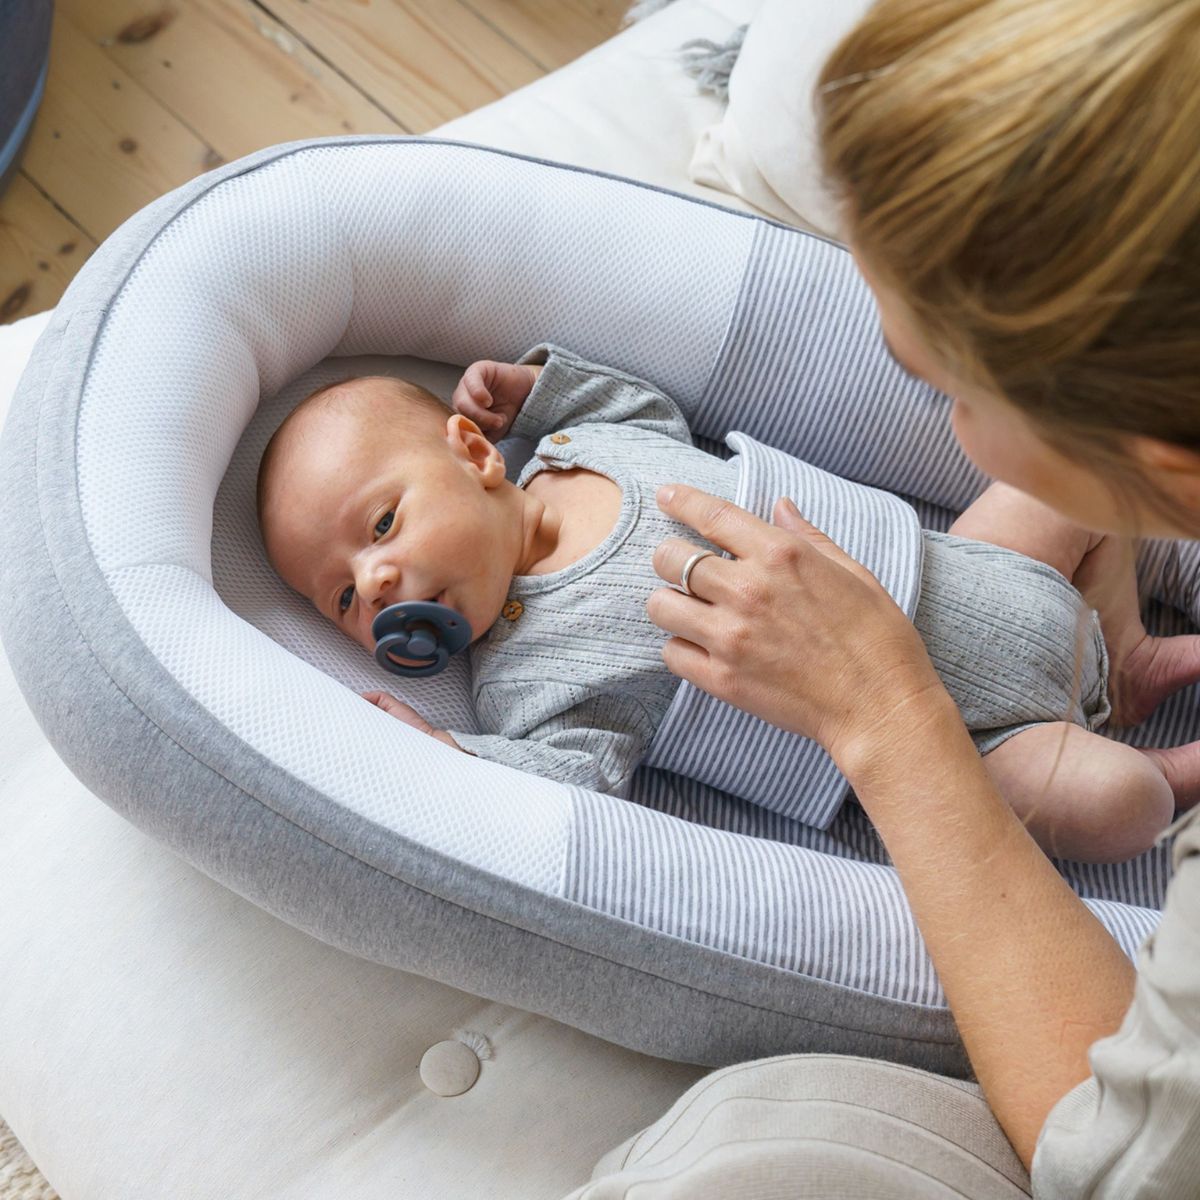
(372, 491)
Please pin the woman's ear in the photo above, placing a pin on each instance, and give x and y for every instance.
(1173, 468)
(468, 443)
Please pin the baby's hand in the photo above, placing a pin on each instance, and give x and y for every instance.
(491, 394)
(410, 716)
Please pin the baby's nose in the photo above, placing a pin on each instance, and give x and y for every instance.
(380, 578)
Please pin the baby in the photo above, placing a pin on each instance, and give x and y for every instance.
(372, 491)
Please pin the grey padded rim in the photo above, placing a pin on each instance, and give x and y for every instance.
(143, 744)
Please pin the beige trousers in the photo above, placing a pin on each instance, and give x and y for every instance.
(819, 1126)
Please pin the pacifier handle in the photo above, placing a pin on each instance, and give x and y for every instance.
(423, 631)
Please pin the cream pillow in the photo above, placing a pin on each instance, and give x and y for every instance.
(765, 149)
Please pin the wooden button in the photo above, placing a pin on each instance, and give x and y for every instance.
(559, 439)
(512, 610)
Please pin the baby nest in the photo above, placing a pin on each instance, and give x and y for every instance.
(198, 696)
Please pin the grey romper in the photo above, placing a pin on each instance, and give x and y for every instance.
(570, 682)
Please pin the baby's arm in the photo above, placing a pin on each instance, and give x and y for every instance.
(576, 737)
(491, 394)
(562, 391)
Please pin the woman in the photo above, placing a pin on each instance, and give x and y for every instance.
(1021, 187)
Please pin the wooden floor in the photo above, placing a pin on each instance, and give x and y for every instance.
(142, 96)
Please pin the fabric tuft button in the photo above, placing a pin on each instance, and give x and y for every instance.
(560, 439)
(449, 1068)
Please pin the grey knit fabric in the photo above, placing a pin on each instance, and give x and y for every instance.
(571, 685)
(1012, 640)
(575, 686)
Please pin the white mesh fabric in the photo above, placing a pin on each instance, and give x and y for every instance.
(446, 252)
(324, 734)
(505, 283)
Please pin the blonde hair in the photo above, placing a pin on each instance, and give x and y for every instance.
(1025, 176)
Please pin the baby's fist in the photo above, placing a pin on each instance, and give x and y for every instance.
(409, 715)
(491, 394)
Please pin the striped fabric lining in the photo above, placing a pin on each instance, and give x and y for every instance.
(829, 918)
(877, 529)
(850, 834)
(1141, 882)
(813, 913)
(1169, 571)
(731, 875)
(804, 368)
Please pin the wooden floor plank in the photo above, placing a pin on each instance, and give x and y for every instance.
(40, 251)
(426, 61)
(554, 32)
(102, 146)
(145, 94)
(230, 71)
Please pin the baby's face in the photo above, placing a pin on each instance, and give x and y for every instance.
(362, 515)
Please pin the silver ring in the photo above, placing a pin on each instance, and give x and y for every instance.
(689, 567)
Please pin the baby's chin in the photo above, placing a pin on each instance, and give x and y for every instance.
(481, 625)
(480, 602)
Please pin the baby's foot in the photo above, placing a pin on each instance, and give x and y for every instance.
(1181, 766)
(1148, 673)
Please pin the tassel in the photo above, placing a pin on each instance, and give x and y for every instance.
(710, 63)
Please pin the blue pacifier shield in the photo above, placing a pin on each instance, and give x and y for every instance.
(424, 633)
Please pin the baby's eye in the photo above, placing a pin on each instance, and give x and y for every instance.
(384, 523)
(345, 598)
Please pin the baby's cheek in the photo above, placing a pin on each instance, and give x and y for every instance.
(355, 633)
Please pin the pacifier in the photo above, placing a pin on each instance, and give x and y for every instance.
(422, 631)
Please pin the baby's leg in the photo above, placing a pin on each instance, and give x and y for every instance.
(1007, 517)
(1143, 670)
(1100, 567)
(1181, 766)
(1081, 796)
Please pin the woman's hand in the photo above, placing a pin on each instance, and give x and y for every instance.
(491, 394)
(792, 629)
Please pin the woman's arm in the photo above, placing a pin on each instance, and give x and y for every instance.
(799, 634)
(1133, 1127)
(1030, 974)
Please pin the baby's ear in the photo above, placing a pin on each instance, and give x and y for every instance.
(468, 442)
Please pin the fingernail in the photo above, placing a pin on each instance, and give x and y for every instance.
(665, 495)
(789, 507)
